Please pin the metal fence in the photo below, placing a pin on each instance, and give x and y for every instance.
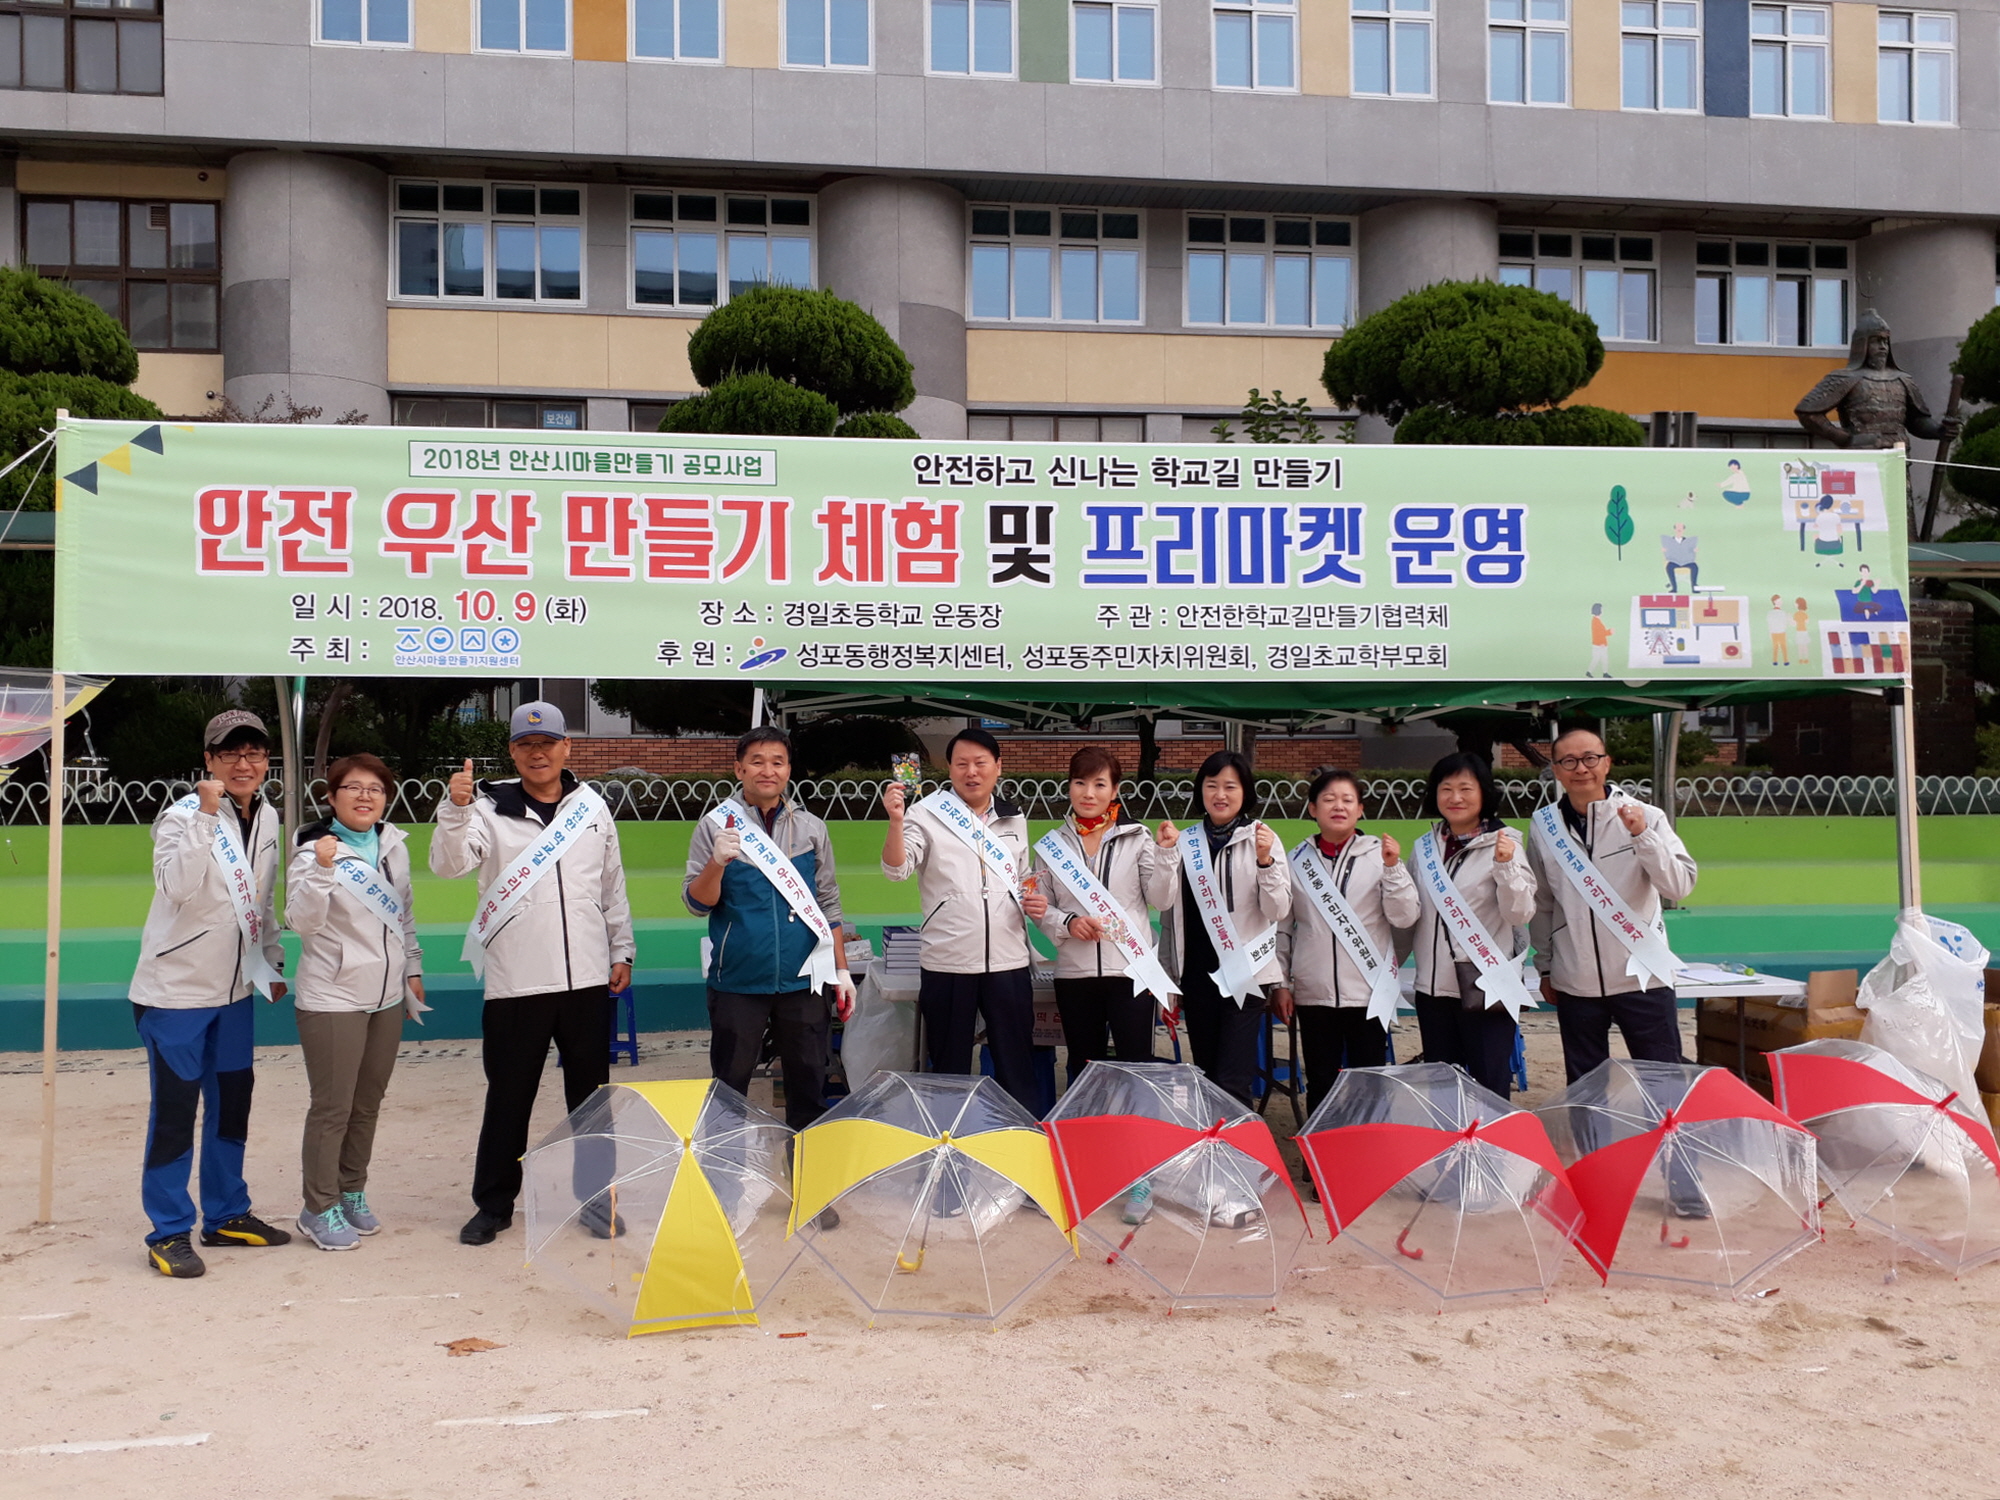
(674, 799)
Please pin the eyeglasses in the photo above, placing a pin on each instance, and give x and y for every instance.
(241, 757)
(361, 789)
(1581, 762)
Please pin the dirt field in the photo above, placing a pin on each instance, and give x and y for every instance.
(296, 1372)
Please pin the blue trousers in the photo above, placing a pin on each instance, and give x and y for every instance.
(200, 1062)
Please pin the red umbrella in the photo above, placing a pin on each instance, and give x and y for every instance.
(1813, 1080)
(1696, 1145)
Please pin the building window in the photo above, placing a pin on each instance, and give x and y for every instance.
(1256, 44)
(82, 46)
(1069, 265)
(1789, 66)
(1392, 48)
(1660, 54)
(827, 34)
(1114, 43)
(477, 411)
(1527, 51)
(1272, 272)
(1765, 292)
(503, 241)
(152, 266)
(364, 23)
(699, 249)
(1915, 65)
(1001, 427)
(1611, 278)
(972, 37)
(678, 30)
(524, 26)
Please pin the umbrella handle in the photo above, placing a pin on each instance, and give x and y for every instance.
(911, 1267)
(1680, 1244)
(1402, 1249)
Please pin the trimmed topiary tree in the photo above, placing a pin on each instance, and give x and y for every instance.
(1467, 362)
(875, 424)
(754, 403)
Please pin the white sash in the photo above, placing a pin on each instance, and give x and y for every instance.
(1499, 973)
(1648, 955)
(1142, 964)
(950, 809)
(241, 878)
(368, 887)
(1237, 962)
(497, 904)
(1345, 923)
(771, 863)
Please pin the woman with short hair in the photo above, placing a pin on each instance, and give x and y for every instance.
(347, 896)
(1460, 1021)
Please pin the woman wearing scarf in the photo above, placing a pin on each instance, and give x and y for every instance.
(356, 974)
(1483, 858)
(1093, 994)
(1323, 981)
(1254, 892)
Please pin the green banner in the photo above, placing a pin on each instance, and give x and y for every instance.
(225, 549)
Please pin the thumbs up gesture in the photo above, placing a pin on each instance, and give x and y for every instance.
(461, 787)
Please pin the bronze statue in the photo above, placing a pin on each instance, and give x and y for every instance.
(1876, 401)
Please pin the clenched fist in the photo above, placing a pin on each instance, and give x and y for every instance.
(1392, 852)
(1267, 843)
(1168, 835)
(728, 845)
(892, 801)
(1633, 817)
(1503, 851)
(325, 850)
(462, 786)
(210, 793)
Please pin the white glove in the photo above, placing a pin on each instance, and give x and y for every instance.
(728, 846)
(843, 996)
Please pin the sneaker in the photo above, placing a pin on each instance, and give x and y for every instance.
(174, 1256)
(330, 1230)
(244, 1229)
(1139, 1204)
(482, 1228)
(829, 1219)
(599, 1219)
(360, 1217)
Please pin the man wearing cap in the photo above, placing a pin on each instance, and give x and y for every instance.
(551, 937)
(211, 938)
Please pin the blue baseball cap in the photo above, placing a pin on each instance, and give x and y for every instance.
(536, 718)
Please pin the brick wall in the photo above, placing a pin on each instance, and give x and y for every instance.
(1847, 734)
(1024, 755)
(664, 755)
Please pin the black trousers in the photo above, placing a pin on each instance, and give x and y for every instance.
(1091, 1009)
(951, 1005)
(1647, 1019)
(1330, 1033)
(1223, 1036)
(1479, 1041)
(515, 1034)
(798, 1023)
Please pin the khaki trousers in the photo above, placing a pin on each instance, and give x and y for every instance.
(349, 1055)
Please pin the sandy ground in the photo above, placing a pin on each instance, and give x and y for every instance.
(324, 1375)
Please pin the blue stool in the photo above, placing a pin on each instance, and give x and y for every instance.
(1045, 1076)
(1279, 1075)
(624, 1026)
(1519, 1064)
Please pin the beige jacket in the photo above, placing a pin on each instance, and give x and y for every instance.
(1255, 898)
(1502, 897)
(349, 960)
(972, 924)
(1134, 871)
(1317, 969)
(1571, 945)
(191, 952)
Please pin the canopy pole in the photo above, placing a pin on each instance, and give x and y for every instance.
(291, 705)
(52, 963)
(1903, 743)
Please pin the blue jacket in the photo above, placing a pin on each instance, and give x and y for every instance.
(757, 944)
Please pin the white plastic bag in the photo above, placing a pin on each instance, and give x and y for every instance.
(882, 1033)
(1926, 1000)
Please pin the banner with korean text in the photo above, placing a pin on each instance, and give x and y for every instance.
(226, 548)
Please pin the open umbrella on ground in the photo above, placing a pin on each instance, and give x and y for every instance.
(946, 1196)
(1685, 1174)
(1904, 1155)
(1439, 1179)
(664, 1203)
(1177, 1182)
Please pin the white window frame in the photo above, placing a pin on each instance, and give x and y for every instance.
(679, 60)
(1908, 54)
(524, 50)
(1578, 267)
(1055, 242)
(1269, 249)
(1772, 273)
(1116, 6)
(1528, 27)
(721, 228)
(1791, 44)
(1257, 11)
(826, 37)
(486, 218)
(1393, 16)
(972, 44)
(1659, 33)
(320, 39)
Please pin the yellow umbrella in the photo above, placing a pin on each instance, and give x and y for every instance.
(665, 1203)
(945, 1196)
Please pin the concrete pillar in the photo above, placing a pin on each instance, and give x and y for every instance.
(1412, 244)
(1932, 281)
(305, 267)
(897, 247)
